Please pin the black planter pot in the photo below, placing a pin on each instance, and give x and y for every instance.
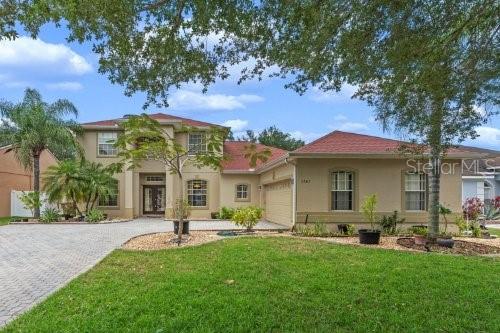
(185, 227)
(446, 242)
(367, 236)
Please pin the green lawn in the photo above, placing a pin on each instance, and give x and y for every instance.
(4, 220)
(494, 231)
(280, 284)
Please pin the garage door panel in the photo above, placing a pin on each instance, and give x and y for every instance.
(279, 203)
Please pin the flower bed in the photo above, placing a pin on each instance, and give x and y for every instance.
(460, 247)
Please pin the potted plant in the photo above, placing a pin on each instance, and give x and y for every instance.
(369, 236)
(420, 234)
(445, 239)
(181, 209)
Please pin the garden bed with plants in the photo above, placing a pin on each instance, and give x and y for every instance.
(460, 247)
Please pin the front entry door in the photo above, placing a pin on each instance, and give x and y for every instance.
(154, 199)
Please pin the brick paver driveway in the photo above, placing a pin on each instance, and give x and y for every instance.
(36, 260)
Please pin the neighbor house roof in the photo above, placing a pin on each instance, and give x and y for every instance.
(339, 143)
(156, 116)
(235, 151)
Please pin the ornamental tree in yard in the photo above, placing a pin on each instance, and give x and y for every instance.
(144, 138)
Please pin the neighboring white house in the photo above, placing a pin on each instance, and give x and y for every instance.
(481, 178)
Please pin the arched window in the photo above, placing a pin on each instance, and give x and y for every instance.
(197, 192)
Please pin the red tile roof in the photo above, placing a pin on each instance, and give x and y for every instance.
(338, 142)
(156, 116)
(235, 150)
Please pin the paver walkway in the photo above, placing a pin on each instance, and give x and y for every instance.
(36, 260)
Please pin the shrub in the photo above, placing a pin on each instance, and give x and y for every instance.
(226, 213)
(350, 230)
(419, 230)
(247, 217)
(31, 201)
(476, 229)
(389, 223)
(94, 216)
(49, 215)
(181, 208)
(368, 207)
(461, 224)
(316, 230)
(473, 207)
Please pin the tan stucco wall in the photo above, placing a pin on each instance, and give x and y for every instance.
(228, 190)
(13, 177)
(381, 176)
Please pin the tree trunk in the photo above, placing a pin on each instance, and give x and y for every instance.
(36, 181)
(181, 210)
(436, 146)
(434, 178)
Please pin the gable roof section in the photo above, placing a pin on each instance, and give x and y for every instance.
(155, 116)
(338, 142)
(235, 150)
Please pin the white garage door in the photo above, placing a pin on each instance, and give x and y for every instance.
(279, 203)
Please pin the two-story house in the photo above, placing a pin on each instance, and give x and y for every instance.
(326, 180)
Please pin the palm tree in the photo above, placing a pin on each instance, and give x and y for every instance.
(97, 182)
(63, 182)
(32, 126)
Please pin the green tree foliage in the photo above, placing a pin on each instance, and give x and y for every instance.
(273, 137)
(32, 126)
(144, 138)
(82, 183)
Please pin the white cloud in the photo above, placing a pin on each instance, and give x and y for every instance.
(35, 53)
(306, 136)
(236, 124)
(349, 127)
(185, 99)
(488, 136)
(340, 117)
(344, 94)
(66, 85)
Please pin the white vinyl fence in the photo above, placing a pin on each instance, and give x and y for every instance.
(17, 207)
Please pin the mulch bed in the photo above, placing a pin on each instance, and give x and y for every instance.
(460, 247)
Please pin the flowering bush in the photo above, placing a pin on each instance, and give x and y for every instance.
(472, 208)
(496, 202)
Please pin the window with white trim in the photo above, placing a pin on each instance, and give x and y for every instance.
(155, 178)
(197, 143)
(106, 143)
(112, 199)
(415, 191)
(242, 192)
(342, 190)
(197, 192)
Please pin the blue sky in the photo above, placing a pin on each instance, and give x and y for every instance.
(61, 70)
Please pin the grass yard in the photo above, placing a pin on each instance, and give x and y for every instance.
(4, 220)
(275, 284)
(494, 231)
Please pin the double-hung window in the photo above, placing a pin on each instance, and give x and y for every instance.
(415, 191)
(242, 192)
(106, 143)
(342, 189)
(197, 193)
(197, 143)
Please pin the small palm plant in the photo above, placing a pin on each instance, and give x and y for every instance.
(368, 208)
(444, 212)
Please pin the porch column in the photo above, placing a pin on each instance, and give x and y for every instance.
(129, 194)
(170, 192)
